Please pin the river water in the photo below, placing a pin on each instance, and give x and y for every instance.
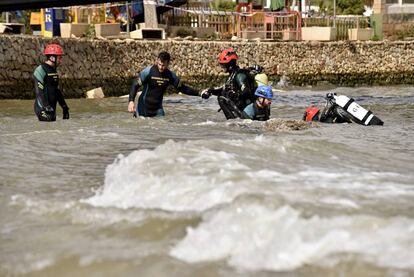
(191, 194)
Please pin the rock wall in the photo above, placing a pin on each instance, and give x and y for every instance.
(111, 64)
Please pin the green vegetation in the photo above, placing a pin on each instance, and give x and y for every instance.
(375, 38)
(408, 32)
(224, 5)
(90, 32)
(26, 20)
(354, 7)
(185, 32)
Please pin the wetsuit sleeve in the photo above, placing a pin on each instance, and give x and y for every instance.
(138, 82)
(61, 99)
(39, 75)
(216, 91)
(176, 82)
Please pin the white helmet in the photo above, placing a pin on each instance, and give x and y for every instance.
(261, 79)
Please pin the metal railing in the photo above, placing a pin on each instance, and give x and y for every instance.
(222, 22)
(270, 25)
(259, 24)
(265, 25)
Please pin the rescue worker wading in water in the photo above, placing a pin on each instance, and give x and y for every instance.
(238, 91)
(46, 86)
(155, 80)
(260, 109)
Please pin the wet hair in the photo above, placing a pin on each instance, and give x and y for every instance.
(164, 56)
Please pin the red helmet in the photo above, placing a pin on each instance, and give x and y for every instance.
(53, 49)
(311, 114)
(227, 55)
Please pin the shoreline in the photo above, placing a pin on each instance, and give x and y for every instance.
(112, 64)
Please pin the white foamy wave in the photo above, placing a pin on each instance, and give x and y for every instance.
(206, 123)
(175, 176)
(40, 207)
(75, 212)
(254, 237)
(316, 178)
(198, 175)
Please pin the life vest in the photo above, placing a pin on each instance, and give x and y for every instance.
(357, 113)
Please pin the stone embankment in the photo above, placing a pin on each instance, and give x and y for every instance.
(111, 64)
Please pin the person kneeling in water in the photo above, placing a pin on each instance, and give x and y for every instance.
(341, 109)
(260, 109)
(238, 90)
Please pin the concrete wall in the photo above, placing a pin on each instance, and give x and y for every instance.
(112, 64)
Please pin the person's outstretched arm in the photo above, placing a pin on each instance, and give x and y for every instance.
(215, 91)
(176, 82)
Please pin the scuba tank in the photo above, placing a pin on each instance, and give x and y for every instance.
(355, 112)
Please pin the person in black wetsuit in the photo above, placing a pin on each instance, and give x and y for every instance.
(341, 109)
(46, 86)
(238, 91)
(330, 114)
(155, 80)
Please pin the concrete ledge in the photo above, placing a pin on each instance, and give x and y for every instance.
(200, 32)
(14, 28)
(107, 29)
(253, 34)
(319, 33)
(148, 33)
(67, 30)
(360, 34)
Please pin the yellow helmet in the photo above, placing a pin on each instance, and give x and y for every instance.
(261, 79)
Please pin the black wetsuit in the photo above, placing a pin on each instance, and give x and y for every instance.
(155, 83)
(47, 93)
(236, 93)
(332, 113)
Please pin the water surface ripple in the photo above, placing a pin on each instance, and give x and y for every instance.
(191, 194)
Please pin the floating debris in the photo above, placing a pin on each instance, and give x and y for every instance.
(278, 124)
(275, 124)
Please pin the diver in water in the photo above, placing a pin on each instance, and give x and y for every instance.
(46, 86)
(260, 109)
(341, 109)
(238, 90)
(155, 80)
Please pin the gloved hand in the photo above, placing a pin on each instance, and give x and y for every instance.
(65, 112)
(231, 94)
(205, 93)
(49, 109)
